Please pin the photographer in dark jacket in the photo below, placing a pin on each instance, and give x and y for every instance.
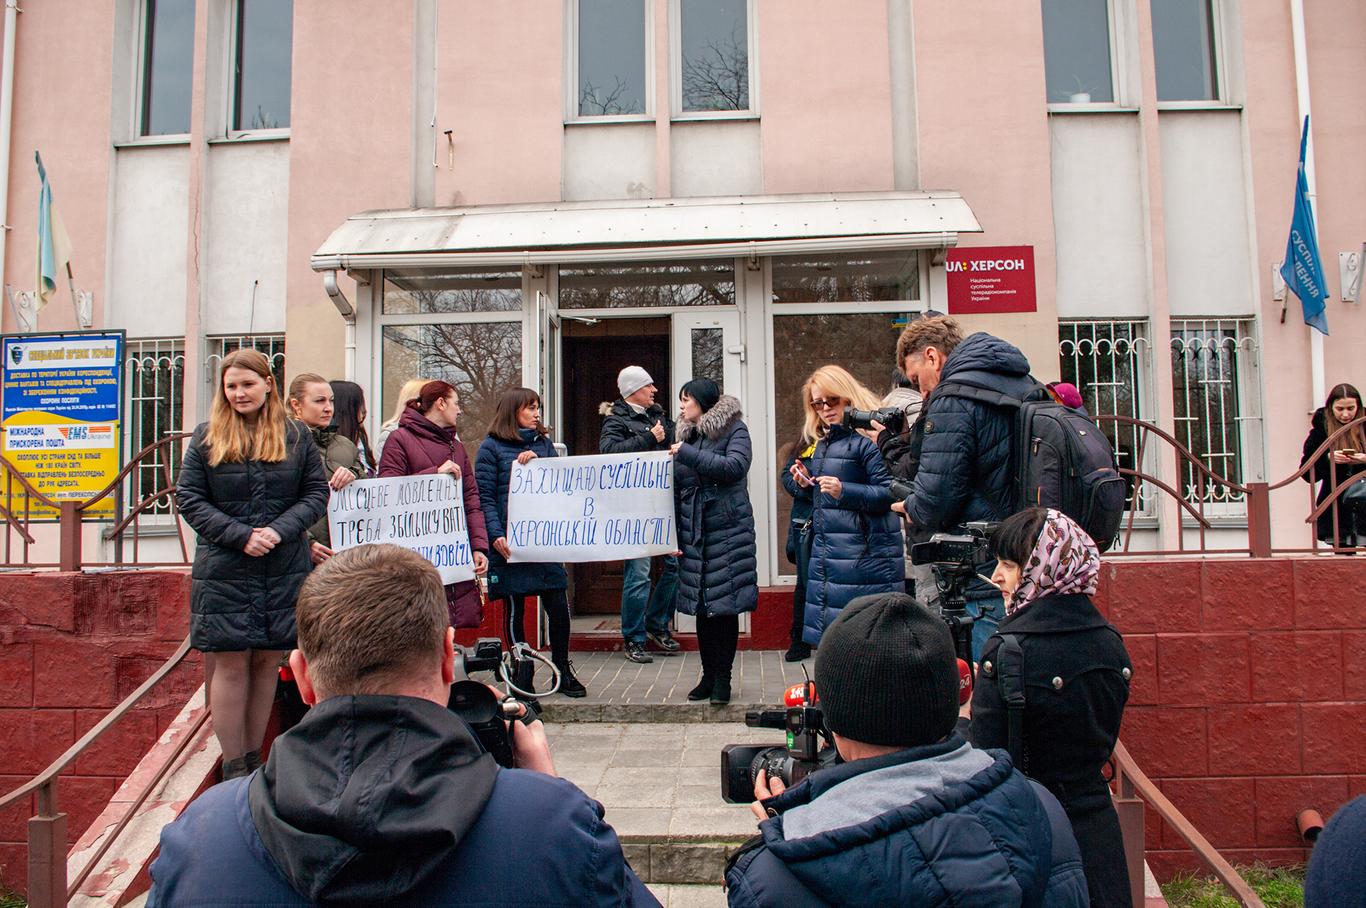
(1075, 680)
(634, 424)
(964, 469)
(382, 795)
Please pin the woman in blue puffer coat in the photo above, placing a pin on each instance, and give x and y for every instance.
(518, 436)
(856, 546)
(717, 574)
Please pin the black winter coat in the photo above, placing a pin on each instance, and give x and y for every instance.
(238, 602)
(1069, 730)
(801, 502)
(493, 470)
(625, 431)
(964, 467)
(856, 546)
(718, 571)
(1323, 528)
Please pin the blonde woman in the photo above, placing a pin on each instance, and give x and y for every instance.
(250, 485)
(856, 545)
(311, 402)
(411, 388)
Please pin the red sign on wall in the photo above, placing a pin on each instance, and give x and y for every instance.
(990, 279)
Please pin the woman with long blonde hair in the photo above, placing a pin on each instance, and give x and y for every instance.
(411, 388)
(856, 545)
(250, 484)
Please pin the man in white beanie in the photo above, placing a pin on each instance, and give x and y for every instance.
(636, 423)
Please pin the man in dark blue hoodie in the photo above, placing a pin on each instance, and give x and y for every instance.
(964, 469)
(381, 795)
(915, 815)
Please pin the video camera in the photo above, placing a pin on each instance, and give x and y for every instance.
(483, 711)
(809, 746)
(956, 559)
(894, 418)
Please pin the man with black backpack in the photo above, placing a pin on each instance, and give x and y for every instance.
(994, 441)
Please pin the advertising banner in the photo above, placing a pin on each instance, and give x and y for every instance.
(601, 507)
(422, 513)
(990, 279)
(62, 415)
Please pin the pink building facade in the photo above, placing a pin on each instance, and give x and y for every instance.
(537, 192)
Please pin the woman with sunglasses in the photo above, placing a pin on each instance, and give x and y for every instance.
(856, 544)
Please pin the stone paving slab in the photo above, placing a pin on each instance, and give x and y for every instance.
(673, 895)
(623, 691)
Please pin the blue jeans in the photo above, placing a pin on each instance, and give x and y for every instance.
(988, 611)
(641, 609)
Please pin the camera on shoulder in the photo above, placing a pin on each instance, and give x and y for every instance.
(809, 746)
(483, 711)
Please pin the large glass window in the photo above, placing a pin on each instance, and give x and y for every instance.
(611, 58)
(167, 63)
(714, 55)
(1076, 46)
(1211, 359)
(863, 343)
(481, 359)
(849, 278)
(468, 290)
(263, 45)
(1183, 50)
(709, 282)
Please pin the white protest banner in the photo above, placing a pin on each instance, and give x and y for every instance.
(602, 507)
(422, 513)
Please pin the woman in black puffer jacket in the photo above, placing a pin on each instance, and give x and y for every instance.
(250, 485)
(1345, 459)
(718, 577)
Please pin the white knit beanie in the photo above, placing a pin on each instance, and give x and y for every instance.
(632, 379)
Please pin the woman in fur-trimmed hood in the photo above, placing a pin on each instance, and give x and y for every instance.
(717, 572)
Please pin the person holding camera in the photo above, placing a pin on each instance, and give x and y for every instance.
(856, 545)
(718, 577)
(382, 795)
(1067, 670)
(1346, 459)
(914, 815)
(963, 469)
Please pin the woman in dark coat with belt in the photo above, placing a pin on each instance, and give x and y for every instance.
(250, 485)
(856, 544)
(1344, 459)
(518, 436)
(718, 576)
(424, 443)
(1075, 678)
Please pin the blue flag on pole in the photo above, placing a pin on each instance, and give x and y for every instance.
(1302, 268)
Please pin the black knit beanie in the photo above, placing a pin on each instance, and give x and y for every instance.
(887, 674)
(704, 391)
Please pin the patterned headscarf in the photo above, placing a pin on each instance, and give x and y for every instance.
(1064, 560)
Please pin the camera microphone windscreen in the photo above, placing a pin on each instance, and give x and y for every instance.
(964, 682)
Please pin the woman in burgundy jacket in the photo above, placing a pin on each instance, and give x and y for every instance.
(425, 443)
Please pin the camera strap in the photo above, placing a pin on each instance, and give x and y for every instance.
(1010, 678)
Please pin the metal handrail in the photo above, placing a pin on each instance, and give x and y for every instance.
(1132, 782)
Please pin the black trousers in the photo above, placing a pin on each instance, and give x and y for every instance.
(556, 607)
(717, 637)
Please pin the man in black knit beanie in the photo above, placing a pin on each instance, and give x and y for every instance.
(914, 815)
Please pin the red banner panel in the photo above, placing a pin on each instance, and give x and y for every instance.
(990, 279)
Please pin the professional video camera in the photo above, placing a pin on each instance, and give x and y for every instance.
(483, 711)
(809, 746)
(894, 418)
(956, 559)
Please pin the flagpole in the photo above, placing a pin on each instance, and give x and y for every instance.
(1302, 97)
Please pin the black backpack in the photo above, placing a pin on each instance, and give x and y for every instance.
(1059, 459)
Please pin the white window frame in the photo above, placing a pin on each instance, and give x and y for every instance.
(1118, 60)
(571, 82)
(142, 353)
(676, 68)
(230, 70)
(143, 21)
(1218, 20)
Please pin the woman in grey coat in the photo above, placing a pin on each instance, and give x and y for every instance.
(717, 573)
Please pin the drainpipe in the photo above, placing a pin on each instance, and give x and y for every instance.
(348, 312)
(6, 124)
(1302, 96)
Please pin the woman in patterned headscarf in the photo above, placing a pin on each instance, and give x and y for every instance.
(1072, 668)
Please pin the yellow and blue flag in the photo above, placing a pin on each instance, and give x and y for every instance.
(54, 246)
(1302, 268)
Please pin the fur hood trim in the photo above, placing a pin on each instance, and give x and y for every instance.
(716, 422)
